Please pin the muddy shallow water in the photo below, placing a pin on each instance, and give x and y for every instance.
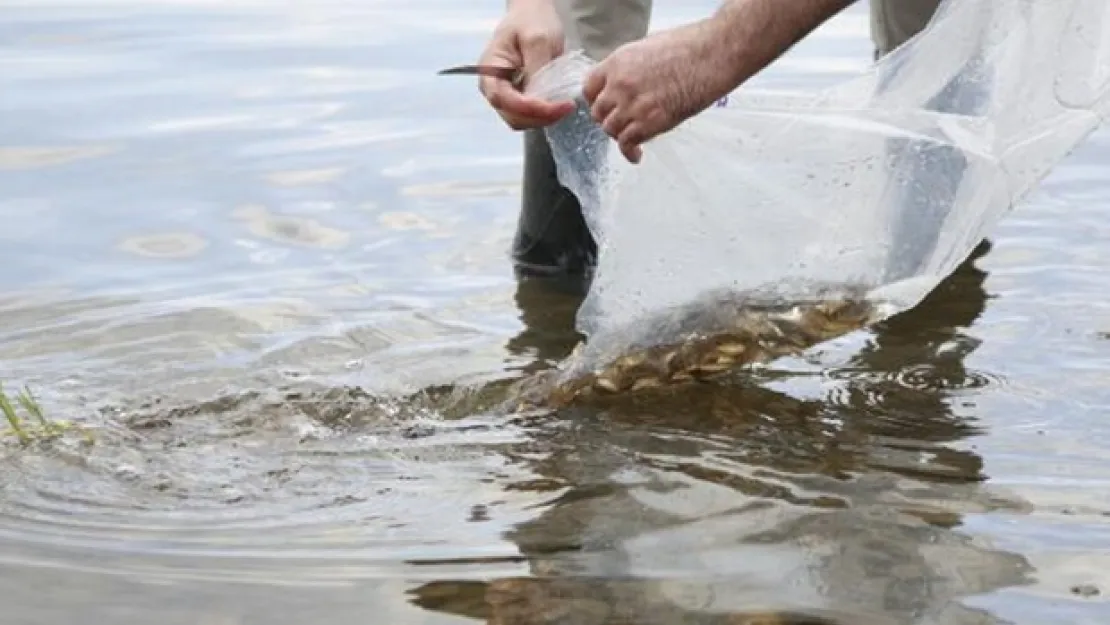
(242, 242)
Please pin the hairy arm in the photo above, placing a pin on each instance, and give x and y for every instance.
(648, 87)
(751, 34)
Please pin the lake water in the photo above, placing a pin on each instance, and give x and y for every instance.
(238, 235)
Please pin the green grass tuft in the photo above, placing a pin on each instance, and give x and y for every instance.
(26, 420)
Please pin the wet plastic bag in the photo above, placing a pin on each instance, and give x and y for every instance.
(886, 181)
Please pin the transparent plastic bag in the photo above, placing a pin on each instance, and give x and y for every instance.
(885, 182)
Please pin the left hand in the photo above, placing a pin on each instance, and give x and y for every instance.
(648, 87)
(528, 37)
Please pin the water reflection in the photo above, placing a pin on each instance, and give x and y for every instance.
(547, 312)
(165, 245)
(752, 505)
(291, 230)
(19, 158)
(203, 251)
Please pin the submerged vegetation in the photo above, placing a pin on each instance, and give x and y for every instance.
(26, 420)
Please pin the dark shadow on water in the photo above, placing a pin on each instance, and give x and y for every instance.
(547, 312)
(746, 504)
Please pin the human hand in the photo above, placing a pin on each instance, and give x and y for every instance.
(648, 87)
(529, 36)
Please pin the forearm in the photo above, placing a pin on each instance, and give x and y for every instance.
(753, 33)
(514, 4)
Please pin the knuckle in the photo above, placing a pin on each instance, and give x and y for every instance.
(612, 127)
(534, 39)
(589, 94)
(506, 27)
(624, 82)
(599, 109)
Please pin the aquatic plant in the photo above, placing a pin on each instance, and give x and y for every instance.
(26, 420)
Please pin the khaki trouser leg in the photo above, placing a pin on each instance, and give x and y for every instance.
(601, 26)
(893, 22)
(552, 237)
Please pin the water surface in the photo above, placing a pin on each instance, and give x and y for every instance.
(241, 237)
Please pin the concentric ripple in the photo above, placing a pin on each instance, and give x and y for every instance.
(933, 377)
(255, 483)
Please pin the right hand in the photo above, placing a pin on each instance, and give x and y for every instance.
(529, 36)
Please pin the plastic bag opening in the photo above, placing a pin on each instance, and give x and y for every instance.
(874, 189)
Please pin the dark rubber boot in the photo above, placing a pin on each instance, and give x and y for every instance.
(552, 239)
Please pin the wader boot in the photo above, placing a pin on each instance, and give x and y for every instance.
(552, 240)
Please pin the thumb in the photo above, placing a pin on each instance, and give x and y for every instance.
(539, 48)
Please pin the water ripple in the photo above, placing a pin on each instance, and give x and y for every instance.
(927, 377)
(222, 219)
(253, 478)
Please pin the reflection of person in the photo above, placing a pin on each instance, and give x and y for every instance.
(711, 508)
(679, 70)
(548, 316)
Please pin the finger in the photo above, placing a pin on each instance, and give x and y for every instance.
(630, 139)
(615, 122)
(538, 48)
(602, 107)
(519, 122)
(488, 85)
(523, 122)
(502, 52)
(510, 103)
(631, 152)
(595, 82)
